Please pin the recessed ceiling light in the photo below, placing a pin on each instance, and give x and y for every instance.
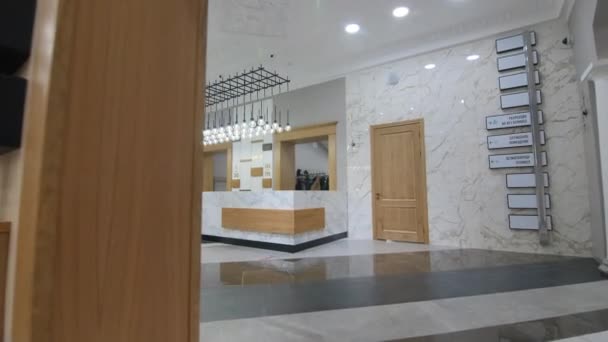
(401, 12)
(352, 28)
(472, 57)
(430, 66)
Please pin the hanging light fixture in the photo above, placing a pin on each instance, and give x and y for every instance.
(280, 128)
(288, 126)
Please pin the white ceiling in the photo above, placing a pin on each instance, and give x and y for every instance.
(309, 44)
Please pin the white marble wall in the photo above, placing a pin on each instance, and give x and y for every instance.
(467, 201)
(334, 203)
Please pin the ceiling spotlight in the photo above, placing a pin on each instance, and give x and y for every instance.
(401, 12)
(472, 57)
(430, 66)
(352, 28)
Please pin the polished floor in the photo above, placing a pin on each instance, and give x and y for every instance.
(376, 291)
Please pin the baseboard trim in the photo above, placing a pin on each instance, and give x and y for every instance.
(275, 246)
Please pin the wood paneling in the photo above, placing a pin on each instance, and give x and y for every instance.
(284, 171)
(399, 182)
(257, 171)
(235, 184)
(332, 162)
(5, 229)
(208, 165)
(267, 183)
(276, 221)
(109, 241)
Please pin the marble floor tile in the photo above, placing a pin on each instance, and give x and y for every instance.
(214, 253)
(597, 337)
(398, 321)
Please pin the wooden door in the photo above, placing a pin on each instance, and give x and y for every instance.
(109, 224)
(399, 182)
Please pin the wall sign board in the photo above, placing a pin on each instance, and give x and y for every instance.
(518, 80)
(505, 161)
(527, 222)
(524, 180)
(512, 120)
(526, 201)
(518, 100)
(514, 61)
(513, 140)
(513, 43)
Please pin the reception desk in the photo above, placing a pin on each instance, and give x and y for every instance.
(279, 220)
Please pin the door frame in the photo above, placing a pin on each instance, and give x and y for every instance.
(372, 135)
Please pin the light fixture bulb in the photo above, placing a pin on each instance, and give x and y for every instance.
(352, 28)
(280, 129)
(214, 131)
(288, 127)
(401, 12)
(261, 121)
(266, 126)
(236, 126)
(244, 125)
(252, 123)
(430, 66)
(275, 124)
(472, 57)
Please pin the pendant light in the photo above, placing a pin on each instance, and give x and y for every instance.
(280, 128)
(288, 127)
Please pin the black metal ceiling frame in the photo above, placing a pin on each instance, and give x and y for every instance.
(241, 85)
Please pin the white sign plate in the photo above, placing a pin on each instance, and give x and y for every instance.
(518, 100)
(524, 180)
(516, 80)
(513, 140)
(527, 222)
(514, 61)
(526, 201)
(503, 161)
(511, 120)
(513, 43)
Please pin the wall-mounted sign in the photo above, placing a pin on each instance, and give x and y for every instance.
(511, 120)
(504, 161)
(518, 100)
(513, 43)
(524, 180)
(527, 222)
(513, 140)
(526, 201)
(514, 61)
(518, 80)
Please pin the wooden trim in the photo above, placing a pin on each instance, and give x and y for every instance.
(112, 157)
(267, 183)
(227, 148)
(332, 162)
(306, 133)
(217, 147)
(5, 227)
(257, 171)
(235, 184)
(289, 222)
(372, 132)
(284, 170)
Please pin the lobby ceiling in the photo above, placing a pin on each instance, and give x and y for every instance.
(306, 40)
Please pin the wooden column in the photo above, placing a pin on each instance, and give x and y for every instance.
(109, 235)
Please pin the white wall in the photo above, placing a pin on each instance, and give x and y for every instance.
(467, 201)
(581, 28)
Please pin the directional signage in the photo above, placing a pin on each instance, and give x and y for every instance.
(516, 80)
(511, 120)
(514, 61)
(518, 100)
(526, 201)
(527, 222)
(513, 43)
(524, 180)
(503, 161)
(513, 140)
